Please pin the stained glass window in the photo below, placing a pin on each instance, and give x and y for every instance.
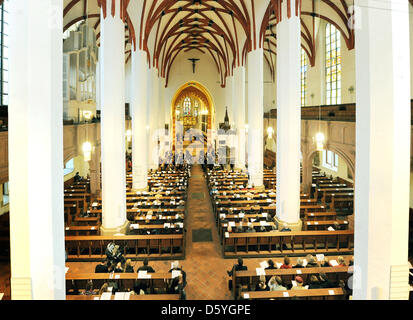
(333, 65)
(4, 56)
(304, 68)
(187, 107)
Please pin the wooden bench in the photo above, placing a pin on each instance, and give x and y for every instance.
(136, 247)
(249, 279)
(262, 244)
(124, 281)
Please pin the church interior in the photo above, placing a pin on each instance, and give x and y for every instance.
(206, 150)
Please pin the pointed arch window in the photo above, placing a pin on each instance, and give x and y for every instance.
(4, 55)
(333, 65)
(304, 68)
(187, 107)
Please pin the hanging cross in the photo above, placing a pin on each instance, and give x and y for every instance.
(193, 63)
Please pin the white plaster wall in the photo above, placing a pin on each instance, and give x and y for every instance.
(206, 73)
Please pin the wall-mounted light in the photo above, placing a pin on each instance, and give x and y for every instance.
(87, 115)
(319, 140)
(246, 128)
(87, 150)
(129, 135)
(270, 132)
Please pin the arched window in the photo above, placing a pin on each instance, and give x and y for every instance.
(304, 68)
(187, 107)
(4, 55)
(333, 65)
(69, 167)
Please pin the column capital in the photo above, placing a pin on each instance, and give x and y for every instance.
(114, 4)
(287, 9)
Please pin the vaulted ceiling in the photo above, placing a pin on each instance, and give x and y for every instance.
(224, 29)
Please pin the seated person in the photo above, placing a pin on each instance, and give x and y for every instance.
(276, 284)
(176, 267)
(285, 228)
(261, 286)
(323, 281)
(325, 262)
(102, 267)
(271, 265)
(341, 262)
(238, 267)
(77, 177)
(118, 268)
(300, 284)
(286, 264)
(311, 263)
(314, 283)
(299, 263)
(250, 228)
(128, 266)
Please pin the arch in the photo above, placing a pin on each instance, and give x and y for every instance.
(348, 159)
(202, 93)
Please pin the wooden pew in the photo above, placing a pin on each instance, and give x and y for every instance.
(310, 294)
(324, 224)
(82, 231)
(262, 244)
(124, 281)
(93, 248)
(249, 278)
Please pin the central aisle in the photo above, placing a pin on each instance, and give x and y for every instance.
(205, 267)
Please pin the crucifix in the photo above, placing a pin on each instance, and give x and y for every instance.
(193, 63)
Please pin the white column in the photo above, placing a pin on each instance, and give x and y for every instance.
(154, 119)
(36, 150)
(139, 115)
(382, 151)
(239, 106)
(288, 117)
(256, 117)
(113, 121)
(94, 169)
(228, 98)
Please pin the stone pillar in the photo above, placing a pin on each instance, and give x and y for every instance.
(36, 150)
(288, 116)
(256, 117)
(112, 51)
(228, 98)
(239, 106)
(307, 169)
(382, 151)
(139, 116)
(153, 110)
(94, 168)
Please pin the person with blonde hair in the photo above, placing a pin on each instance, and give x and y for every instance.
(341, 262)
(276, 284)
(128, 266)
(261, 286)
